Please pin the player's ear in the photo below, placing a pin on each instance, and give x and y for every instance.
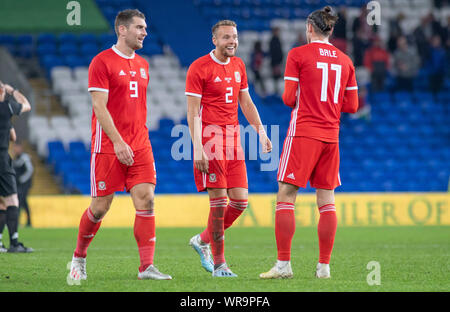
(214, 40)
(122, 29)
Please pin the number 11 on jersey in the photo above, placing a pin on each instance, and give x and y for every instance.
(337, 85)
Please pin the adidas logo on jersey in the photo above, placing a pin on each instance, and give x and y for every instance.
(217, 79)
(291, 176)
(122, 73)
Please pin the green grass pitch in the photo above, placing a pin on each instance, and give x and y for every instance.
(411, 258)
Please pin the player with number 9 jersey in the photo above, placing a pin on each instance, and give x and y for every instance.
(125, 79)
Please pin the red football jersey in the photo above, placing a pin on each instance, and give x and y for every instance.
(218, 85)
(125, 79)
(325, 77)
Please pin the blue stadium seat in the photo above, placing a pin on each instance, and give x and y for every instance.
(49, 61)
(67, 38)
(89, 49)
(46, 38)
(46, 49)
(87, 38)
(73, 60)
(68, 49)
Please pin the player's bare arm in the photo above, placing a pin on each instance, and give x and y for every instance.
(251, 114)
(195, 128)
(19, 97)
(12, 135)
(121, 148)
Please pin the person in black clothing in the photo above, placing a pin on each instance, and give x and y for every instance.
(276, 56)
(24, 174)
(257, 61)
(12, 102)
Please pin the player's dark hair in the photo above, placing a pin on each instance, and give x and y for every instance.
(222, 23)
(323, 20)
(125, 17)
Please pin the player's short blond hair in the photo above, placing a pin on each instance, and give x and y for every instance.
(222, 23)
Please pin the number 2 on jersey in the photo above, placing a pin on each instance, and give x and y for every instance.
(228, 95)
(337, 85)
(134, 89)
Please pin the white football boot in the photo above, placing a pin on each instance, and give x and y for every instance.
(223, 271)
(151, 272)
(78, 269)
(323, 270)
(204, 251)
(278, 271)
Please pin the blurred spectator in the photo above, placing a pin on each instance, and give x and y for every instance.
(276, 56)
(360, 44)
(447, 46)
(364, 108)
(24, 171)
(437, 64)
(301, 40)
(406, 63)
(395, 31)
(421, 35)
(360, 24)
(257, 60)
(339, 38)
(376, 59)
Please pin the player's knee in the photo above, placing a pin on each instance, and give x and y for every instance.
(146, 202)
(11, 200)
(100, 206)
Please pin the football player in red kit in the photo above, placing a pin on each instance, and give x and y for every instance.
(121, 155)
(320, 83)
(215, 83)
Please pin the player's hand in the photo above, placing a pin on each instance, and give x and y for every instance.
(203, 164)
(124, 153)
(8, 88)
(266, 143)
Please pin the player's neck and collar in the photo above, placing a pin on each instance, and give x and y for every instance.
(215, 59)
(320, 40)
(119, 51)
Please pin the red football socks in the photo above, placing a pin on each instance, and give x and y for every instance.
(284, 229)
(234, 209)
(144, 233)
(326, 231)
(216, 228)
(89, 226)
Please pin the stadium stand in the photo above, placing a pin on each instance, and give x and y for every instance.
(402, 145)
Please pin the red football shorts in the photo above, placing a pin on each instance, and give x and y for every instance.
(228, 171)
(304, 159)
(108, 175)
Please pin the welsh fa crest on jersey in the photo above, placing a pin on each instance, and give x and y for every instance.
(212, 177)
(101, 185)
(143, 73)
(237, 76)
